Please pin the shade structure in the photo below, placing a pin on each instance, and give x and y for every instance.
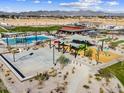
(80, 37)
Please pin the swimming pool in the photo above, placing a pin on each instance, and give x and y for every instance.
(22, 40)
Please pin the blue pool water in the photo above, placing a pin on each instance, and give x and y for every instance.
(28, 39)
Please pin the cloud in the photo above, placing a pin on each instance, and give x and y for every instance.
(36, 1)
(98, 8)
(90, 4)
(82, 3)
(112, 3)
(49, 2)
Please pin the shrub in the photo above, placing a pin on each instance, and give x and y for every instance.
(86, 86)
(101, 90)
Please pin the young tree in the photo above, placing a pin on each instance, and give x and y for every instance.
(113, 45)
(89, 53)
(63, 61)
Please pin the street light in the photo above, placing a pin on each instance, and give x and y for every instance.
(53, 46)
(54, 55)
(13, 51)
(36, 36)
(7, 40)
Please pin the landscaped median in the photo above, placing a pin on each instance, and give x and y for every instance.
(117, 70)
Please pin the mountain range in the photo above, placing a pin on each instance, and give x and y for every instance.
(63, 13)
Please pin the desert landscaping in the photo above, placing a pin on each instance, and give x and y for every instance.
(60, 21)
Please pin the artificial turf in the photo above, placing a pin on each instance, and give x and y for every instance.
(117, 70)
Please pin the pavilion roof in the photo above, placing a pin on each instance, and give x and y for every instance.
(73, 28)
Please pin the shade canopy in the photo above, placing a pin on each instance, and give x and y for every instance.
(80, 37)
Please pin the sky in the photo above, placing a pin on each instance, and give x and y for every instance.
(63, 5)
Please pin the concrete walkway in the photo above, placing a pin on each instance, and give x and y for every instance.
(80, 74)
(108, 64)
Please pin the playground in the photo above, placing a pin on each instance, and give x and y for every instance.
(104, 56)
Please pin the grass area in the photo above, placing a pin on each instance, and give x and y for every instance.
(3, 88)
(106, 39)
(2, 30)
(32, 29)
(118, 42)
(115, 44)
(117, 70)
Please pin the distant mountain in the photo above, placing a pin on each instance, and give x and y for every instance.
(63, 13)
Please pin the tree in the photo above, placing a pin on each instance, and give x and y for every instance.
(83, 47)
(113, 45)
(89, 53)
(101, 90)
(41, 77)
(63, 61)
(13, 16)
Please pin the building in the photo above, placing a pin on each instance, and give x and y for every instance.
(73, 30)
(90, 24)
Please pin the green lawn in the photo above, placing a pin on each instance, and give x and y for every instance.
(118, 42)
(32, 29)
(117, 70)
(2, 30)
(106, 39)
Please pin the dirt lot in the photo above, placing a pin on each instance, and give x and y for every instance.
(58, 21)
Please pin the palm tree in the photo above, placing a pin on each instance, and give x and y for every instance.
(63, 61)
(42, 77)
(83, 47)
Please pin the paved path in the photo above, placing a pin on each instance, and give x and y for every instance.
(80, 74)
(101, 66)
(108, 64)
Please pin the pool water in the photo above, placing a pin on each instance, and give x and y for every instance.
(22, 40)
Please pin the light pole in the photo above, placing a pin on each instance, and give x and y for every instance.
(52, 46)
(13, 53)
(36, 36)
(7, 41)
(54, 55)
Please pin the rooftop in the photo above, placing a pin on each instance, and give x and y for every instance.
(73, 28)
